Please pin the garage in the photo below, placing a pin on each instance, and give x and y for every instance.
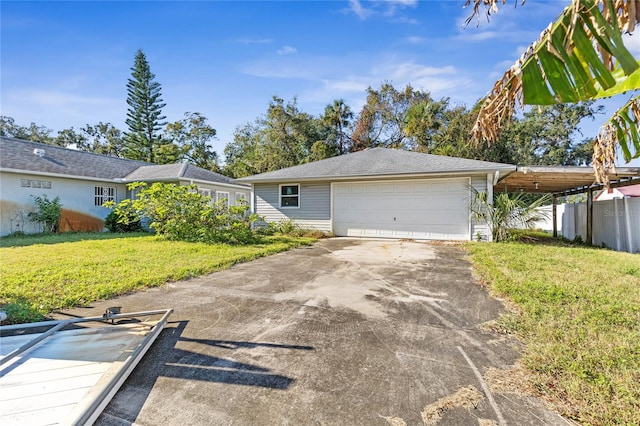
(433, 209)
(379, 193)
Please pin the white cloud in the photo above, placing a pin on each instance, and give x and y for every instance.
(385, 8)
(356, 7)
(479, 36)
(41, 105)
(440, 81)
(286, 50)
(415, 40)
(351, 85)
(505, 65)
(632, 42)
(249, 40)
(406, 20)
(403, 2)
(520, 50)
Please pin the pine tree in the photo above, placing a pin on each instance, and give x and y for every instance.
(144, 115)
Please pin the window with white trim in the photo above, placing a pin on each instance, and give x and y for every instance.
(204, 192)
(240, 197)
(290, 196)
(220, 195)
(102, 194)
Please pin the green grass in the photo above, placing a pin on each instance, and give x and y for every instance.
(578, 311)
(47, 273)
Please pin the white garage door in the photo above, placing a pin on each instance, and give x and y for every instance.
(435, 209)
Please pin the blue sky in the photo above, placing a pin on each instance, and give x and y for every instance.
(66, 64)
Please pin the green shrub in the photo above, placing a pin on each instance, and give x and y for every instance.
(20, 312)
(292, 229)
(47, 213)
(180, 213)
(123, 221)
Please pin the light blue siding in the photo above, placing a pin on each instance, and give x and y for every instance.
(315, 204)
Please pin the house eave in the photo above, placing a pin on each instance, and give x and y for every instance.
(396, 176)
(61, 175)
(188, 180)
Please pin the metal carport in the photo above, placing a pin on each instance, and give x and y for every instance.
(565, 180)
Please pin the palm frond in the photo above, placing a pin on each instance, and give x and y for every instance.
(621, 129)
(580, 56)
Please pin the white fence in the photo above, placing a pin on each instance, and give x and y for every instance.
(616, 223)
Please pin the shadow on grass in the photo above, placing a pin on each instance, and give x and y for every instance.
(546, 239)
(65, 237)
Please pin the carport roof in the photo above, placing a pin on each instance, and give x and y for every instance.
(378, 162)
(547, 179)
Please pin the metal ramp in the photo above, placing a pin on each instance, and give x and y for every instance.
(66, 372)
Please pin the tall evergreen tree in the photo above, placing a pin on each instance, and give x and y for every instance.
(144, 115)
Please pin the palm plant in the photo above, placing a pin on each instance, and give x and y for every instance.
(506, 212)
(579, 57)
(338, 116)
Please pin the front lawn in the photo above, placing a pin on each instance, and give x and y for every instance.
(578, 311)
(43, 274)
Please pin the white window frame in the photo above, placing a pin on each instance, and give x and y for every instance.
(107, 193)
(218, 196)
(204, 192)
(240, 196)
(280, 195)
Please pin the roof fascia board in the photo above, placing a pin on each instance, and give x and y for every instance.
(183, 179)
(382, 176)
(626, 171)
(60, 175)
(209, 182)
(599, 187)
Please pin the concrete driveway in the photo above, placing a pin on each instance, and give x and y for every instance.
(345, 332)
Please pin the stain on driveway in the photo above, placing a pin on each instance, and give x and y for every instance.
(344, 332)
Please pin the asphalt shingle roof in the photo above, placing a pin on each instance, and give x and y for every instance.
(178, 171)
(378, 162)
(17, 154)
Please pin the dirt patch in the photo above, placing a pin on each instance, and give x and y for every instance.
(467, 397)
(519, 381)
(515, 380)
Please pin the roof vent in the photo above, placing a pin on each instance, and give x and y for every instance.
(39, 152)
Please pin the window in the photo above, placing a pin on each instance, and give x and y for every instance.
(31, 183)
(290, 196)
(240, 196)
(222, 196)
(204, 192)
(102, 194)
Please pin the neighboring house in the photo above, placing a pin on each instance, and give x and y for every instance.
(379, 192)
(630, 191)
(84, 181)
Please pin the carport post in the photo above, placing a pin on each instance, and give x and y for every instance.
(555, 215)
(590, 217)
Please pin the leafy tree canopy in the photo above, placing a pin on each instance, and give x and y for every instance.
(193, 136)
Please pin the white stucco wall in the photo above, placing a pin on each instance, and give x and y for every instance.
(77, 197)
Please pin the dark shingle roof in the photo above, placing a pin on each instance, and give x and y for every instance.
(178, 171)
(378, 162)
(17, 154)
